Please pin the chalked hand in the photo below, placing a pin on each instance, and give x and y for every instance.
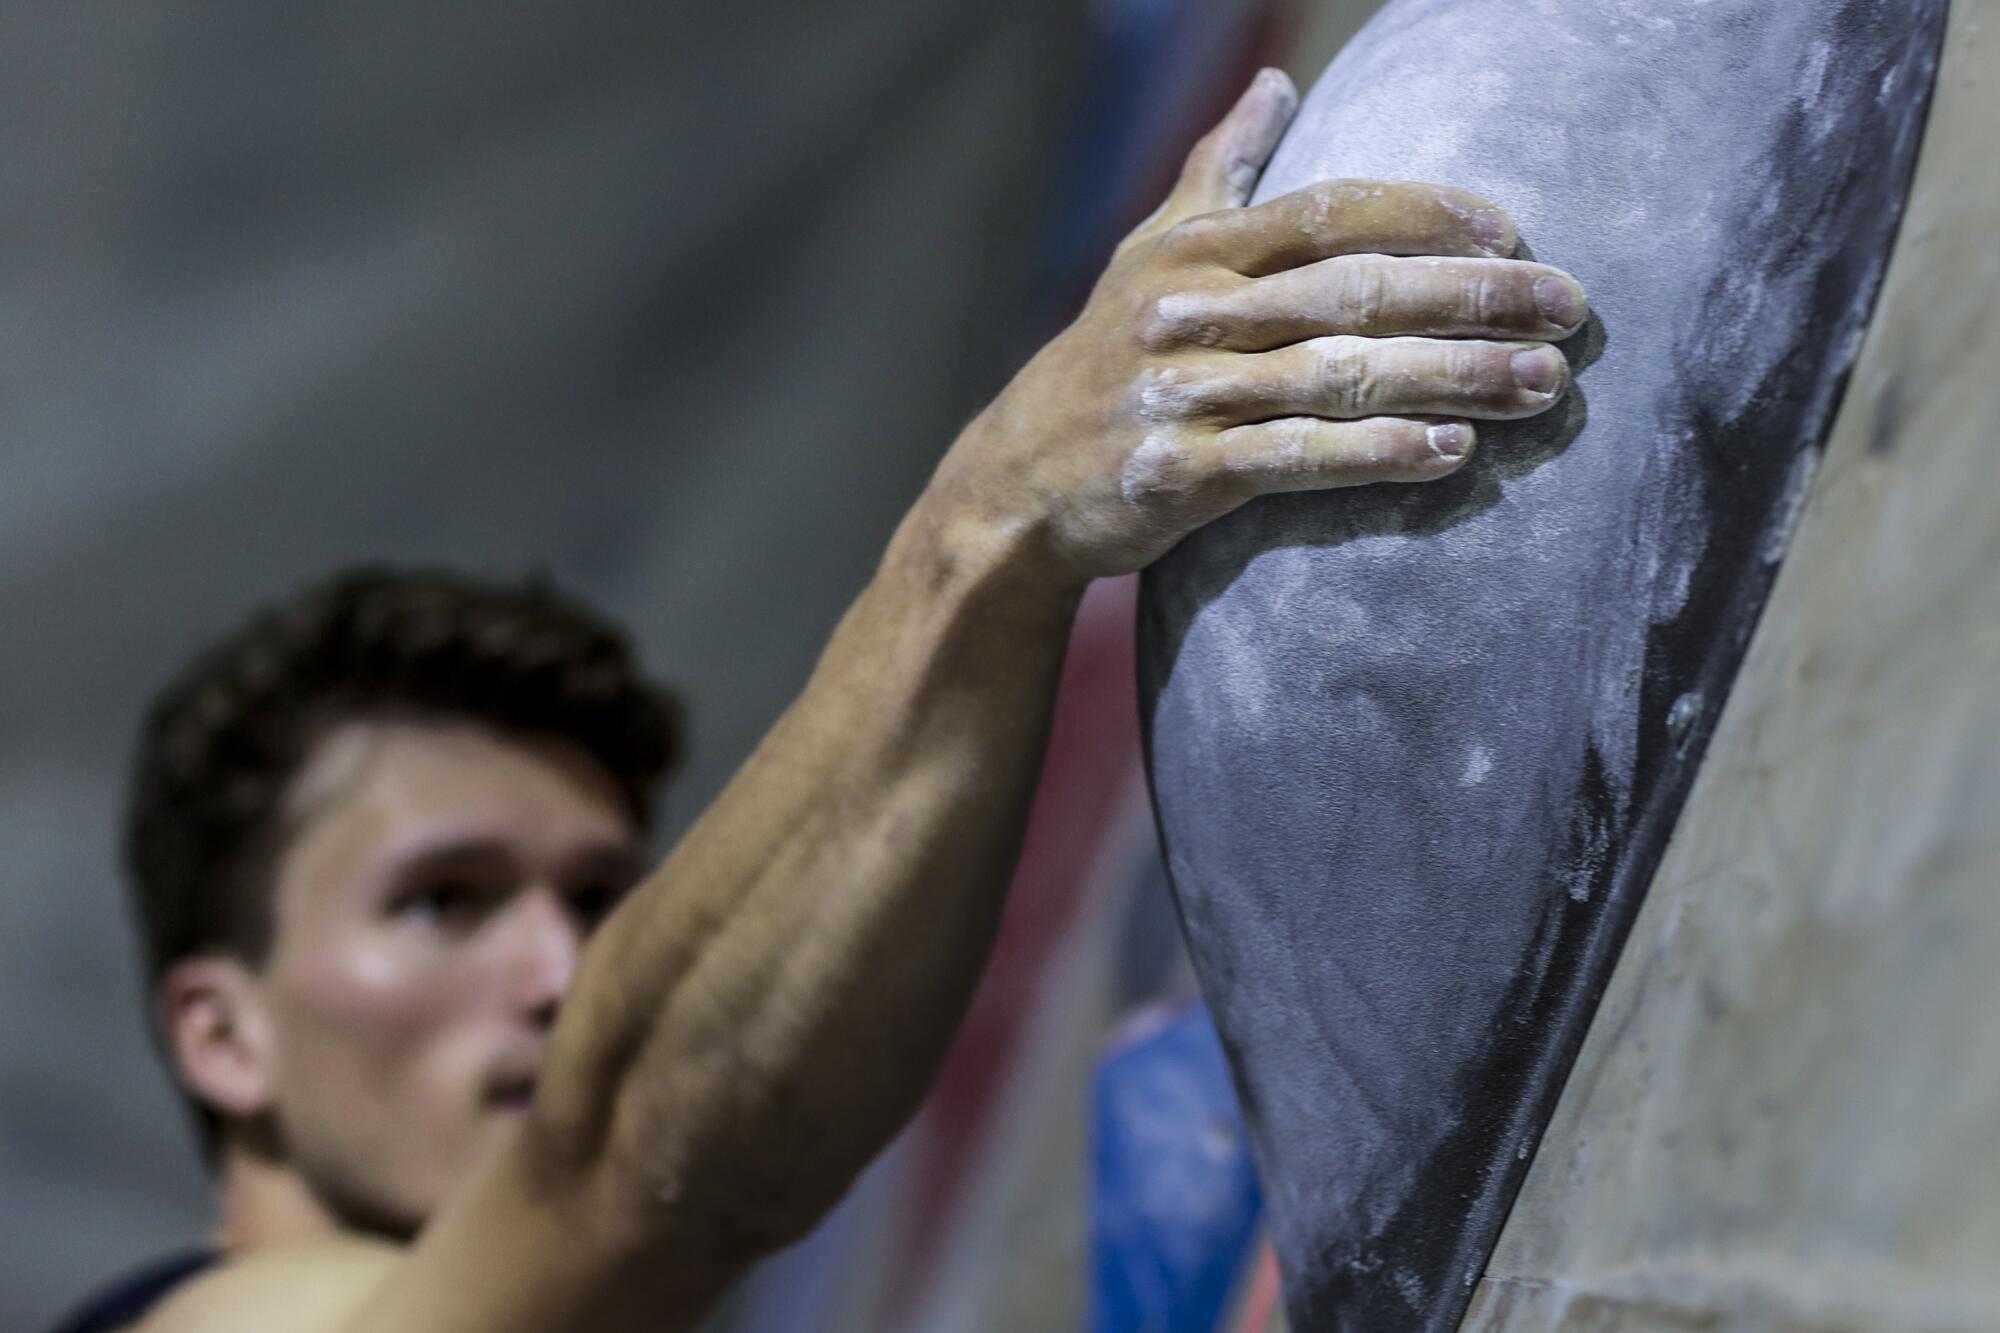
(1347, 333)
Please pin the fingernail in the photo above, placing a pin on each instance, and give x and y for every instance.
(1539, 369)
(1449, 441)
(1561, 300)
(1489, 228)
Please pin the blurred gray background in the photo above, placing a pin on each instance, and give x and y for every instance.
(677, 302)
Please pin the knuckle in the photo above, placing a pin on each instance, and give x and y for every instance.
(1201, 239)
(1165, 471)
(1190, 237)
(1181, 319)
(1346, 373)
(1167, 394)
(1359, 293)
(1340, 191)
(1324, 202)
(1489, 299)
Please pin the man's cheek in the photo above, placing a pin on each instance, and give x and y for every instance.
(376, 985)
(353, 1020)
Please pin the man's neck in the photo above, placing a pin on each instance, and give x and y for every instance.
(265, 1202)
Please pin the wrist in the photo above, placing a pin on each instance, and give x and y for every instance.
(950, 547)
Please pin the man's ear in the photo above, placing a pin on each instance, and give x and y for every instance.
(212, 1014)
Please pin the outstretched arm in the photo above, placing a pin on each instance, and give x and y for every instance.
(760, 1016)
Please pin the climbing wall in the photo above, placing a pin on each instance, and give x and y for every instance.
(1786, 1116)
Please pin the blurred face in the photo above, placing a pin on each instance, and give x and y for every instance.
(430, 907)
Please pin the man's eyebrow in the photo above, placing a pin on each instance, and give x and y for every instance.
(459, 850)
(478, 851)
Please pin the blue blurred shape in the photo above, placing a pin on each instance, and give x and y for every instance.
(1175, 1202)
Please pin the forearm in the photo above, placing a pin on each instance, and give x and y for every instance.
(762, 1014)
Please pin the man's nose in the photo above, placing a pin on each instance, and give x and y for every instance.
(544, 943)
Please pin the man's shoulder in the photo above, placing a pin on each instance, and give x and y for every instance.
(306, 1288)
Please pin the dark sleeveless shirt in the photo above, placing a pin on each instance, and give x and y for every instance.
(126, 1300)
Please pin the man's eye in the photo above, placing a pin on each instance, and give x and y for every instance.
(450, 905)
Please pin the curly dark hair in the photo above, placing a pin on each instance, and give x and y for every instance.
(223, 741)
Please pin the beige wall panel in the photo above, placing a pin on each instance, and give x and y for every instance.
(1787, 1114)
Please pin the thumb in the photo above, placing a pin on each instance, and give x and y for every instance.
(1222, 169)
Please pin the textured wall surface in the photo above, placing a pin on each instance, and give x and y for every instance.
(1416, 750)
(1786, 1117)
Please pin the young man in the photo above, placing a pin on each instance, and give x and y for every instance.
(373, 831)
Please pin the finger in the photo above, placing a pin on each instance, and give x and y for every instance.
(1348, 377)
(1377, 296)
(1342, 217)
(1309, 453)
(1222, 169)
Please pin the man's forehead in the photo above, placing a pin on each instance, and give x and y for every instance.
(415, 786)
